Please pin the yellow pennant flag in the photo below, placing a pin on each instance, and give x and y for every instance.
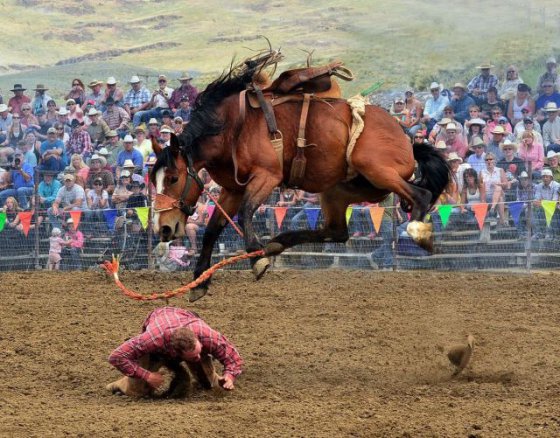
(142, 213)
(348, 214)
(549, 207)
(376, 214)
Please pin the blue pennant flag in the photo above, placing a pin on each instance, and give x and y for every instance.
(515, 209)
(312, 216)
(110, 216)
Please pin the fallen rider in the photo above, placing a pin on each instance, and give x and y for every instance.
(174, 344)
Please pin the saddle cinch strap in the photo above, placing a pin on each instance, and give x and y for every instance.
(299, 162)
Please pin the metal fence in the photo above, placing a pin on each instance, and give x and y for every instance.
(473, 240)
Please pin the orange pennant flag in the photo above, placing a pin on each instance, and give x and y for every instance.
(376, 214)
(76, 216)
(480, 213)
(280, 214)
(25, 219)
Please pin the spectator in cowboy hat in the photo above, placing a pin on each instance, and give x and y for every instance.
(186, 89)
(114, 147)
(96, 94)
(552, 161)
(153, 128)
(178, 125)
(551, 129)
(74, 111)
(460, 102)
(112, 91)
(433, 111)
(498, 134)
(550, 75)
(135, 171)
(5, 122)
(512, 165)
(184, 110)
(143, 144)
(116, 117)
(479, 85)
(15, 103)
(547, 190)
(454, 141)
(165, 133)
(97, 128)
(476, 160)
(97, 169)
(129, 153)
(137, 100)
(40, 100)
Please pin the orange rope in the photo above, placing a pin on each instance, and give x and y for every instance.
(112, 268)
(230, 220)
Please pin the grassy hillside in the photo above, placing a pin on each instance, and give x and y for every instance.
(398, 41)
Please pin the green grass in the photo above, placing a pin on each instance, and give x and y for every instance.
(405, 42)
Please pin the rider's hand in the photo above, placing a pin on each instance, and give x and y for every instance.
(154, 380)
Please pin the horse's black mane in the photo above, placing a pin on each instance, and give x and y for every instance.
(204, 120)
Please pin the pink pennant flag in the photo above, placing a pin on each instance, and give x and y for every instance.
(210, 210)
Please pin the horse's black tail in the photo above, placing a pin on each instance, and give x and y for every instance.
(433, 173)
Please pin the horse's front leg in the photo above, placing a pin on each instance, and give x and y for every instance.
(257, 192)
(230, 202)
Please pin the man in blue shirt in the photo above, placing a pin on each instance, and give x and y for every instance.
(52, 153)
(433, 110)
(549, 95)
(21, 179)
(48, 188)
(461, 102)
(129, 153)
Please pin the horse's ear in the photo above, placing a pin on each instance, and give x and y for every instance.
(174, 144)
(155, 145)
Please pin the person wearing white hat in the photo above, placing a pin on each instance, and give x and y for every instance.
(495, 135)
(460, 103)
(5, 122)
(433, 110)
(551, 75)
(552, 160)
(159, 100)
(97, 170)
(476, 160)
(479, 85)
(455, 141)
(547, 190)
(137, 100)
(113, 92)
(96, 95)
(129, 153)
(512, 165)
(97, 128)
(186, 89)
(551, 129)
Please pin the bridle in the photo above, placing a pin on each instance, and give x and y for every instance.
(167, 203)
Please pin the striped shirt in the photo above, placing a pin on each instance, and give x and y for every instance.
(483, 84)
(116, 118)
(156, 337)
(135, 99)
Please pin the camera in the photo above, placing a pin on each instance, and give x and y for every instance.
(17, 161)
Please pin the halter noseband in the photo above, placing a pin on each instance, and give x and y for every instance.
(166, 203)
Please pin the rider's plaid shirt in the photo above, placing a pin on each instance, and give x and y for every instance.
(155, 338)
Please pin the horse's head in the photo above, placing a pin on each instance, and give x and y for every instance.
(178, 188)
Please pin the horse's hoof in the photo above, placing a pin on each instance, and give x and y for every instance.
(197, 293)
(260, 267)
(422, 234)
(273, 248)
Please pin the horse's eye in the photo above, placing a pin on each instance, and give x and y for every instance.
(173, 179)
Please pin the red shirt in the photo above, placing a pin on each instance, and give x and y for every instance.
(155, 338)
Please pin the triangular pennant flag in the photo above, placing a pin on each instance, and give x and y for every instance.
(549, 207)
(515, 209)
(376, 214)
(25, 219)
(312, 216)
(349, 211)
(76, 215)
(280, 214)
(444, 211)
(409, 215)
(110, 216)
(480, 213)
(142, 213)
(2, 220)
(210, 210)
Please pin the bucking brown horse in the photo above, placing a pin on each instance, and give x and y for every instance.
(231, 138)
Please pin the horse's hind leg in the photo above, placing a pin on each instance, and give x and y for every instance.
(334, 203)
(418, 199)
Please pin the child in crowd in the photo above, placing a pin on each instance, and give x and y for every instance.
(56, 244)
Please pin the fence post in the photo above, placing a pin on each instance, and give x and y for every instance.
(394, 243)
(150, 223)
(36, 175)
(529, 216)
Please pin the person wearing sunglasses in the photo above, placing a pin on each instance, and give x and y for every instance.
(77, 92)
(549, 95)
(495, 182)
(508, 89)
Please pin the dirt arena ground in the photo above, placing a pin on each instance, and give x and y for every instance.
(328, 353)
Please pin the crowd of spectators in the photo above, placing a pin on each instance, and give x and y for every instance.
(92, 152)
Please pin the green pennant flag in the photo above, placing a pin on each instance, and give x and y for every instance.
(549, 207)
(142, 213)
(2, 220)
(348, 214)
(444, 212)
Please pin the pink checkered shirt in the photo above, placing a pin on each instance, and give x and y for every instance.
(155, 338)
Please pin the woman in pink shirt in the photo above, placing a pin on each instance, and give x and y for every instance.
(531, 152)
